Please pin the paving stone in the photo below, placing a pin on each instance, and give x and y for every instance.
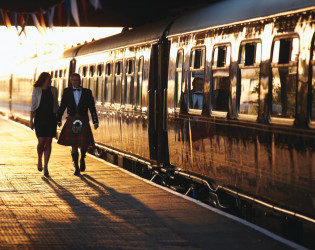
(105, 208)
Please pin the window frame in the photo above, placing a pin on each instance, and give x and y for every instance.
(111, 63)
(84, 70)
(312, 76)
(177, 105)
(239, 83)
(127, 74)
(99, 87)
(137, 75)
(217, 113)
(94, 72)
(281, 120)
(120, 61)
(192, 69)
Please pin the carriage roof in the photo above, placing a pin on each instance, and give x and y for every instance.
(231, 11)
(145, 34)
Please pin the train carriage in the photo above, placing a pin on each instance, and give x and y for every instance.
(240, 99)
(222, 96)
(120, 72)
(6, 94)
(21, 87)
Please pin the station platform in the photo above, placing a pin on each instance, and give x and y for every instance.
(104, 208)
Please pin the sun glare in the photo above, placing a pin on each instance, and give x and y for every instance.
(15, 49)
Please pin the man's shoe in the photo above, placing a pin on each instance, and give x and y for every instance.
(75, 157)
(82, 165)
(76, 171)
(82, 162)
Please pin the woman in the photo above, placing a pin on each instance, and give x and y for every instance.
(44, 108)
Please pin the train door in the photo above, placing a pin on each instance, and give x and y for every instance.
(311, 89)
(72, 66)
(92, 80)
(157, 93)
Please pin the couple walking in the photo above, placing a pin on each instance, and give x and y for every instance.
(46, 115)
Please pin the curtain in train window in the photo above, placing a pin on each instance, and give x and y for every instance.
(129, 83)
(117, 82)
(178, 77)
(221, 78)
(99, 82)
(284, 77)
(108, 83)
(249, 65)
(313, 81)
(197, 63)
(139, 82)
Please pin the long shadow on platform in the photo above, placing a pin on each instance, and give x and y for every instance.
(109, 221)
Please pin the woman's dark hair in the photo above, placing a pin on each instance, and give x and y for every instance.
(41, 79)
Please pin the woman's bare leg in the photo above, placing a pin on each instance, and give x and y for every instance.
(47, 152)
(40, 151)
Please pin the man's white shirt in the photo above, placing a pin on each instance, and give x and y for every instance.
(77, 95)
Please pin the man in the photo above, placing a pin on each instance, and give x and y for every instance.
(77, 131)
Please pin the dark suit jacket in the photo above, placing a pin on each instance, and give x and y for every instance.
(86, 102)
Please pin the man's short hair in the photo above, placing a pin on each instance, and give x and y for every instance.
(75, 74)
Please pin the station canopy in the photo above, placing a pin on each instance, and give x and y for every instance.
(92, 13)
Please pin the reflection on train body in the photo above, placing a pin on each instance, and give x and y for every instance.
(227, 98)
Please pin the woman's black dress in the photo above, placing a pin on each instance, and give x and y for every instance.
(45, 120)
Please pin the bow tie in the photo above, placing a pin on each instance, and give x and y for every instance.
(76, 89)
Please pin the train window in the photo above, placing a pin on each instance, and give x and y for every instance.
(60, 73)
(118, 68)
(178, 77)
(249, 69)
(284, 77)
(84, 71)
(248, 52)
(92, 80)
(198, 58)
(108, 82)
(100, 69)
(108, 69)
(99, 82)
(129, 82)
(84, 77)
(117, 82)
(196, 79)
(92, 70)
(221, 78)
(56, 73)
(139, 82)
(52, 74)
(130, 66)
(64, 72)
